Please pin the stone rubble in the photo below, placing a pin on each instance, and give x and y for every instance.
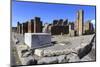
(57, 53)
(48, 60)
(62, 59)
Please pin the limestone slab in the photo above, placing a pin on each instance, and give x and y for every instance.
(54, 50)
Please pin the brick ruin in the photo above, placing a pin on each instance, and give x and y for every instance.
(33, 26)
(58, 26)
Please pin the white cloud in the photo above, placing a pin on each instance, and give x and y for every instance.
(93, 21)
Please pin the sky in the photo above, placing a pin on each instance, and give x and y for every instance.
(25, 11)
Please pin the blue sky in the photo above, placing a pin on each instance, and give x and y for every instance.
(24, 11)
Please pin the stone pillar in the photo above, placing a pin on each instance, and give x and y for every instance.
(31, 26)
(37, 25)
(18, 24)
(79, 22)
(41, 27)
(26, 27)
(69, 27)
(71, 31)
(20, 28)
(81, 17)
(23, 28)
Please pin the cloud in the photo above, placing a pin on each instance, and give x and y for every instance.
(93, 22)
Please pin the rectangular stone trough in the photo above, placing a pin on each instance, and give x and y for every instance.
(37, 40)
